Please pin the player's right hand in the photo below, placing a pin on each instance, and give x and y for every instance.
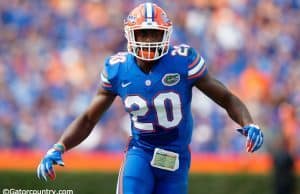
(53, 156)
(255, 137)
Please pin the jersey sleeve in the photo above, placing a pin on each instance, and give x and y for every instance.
(196, 66)
(109, 77)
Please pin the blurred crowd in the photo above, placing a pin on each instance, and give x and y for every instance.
(51, 53)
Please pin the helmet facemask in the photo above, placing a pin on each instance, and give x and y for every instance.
(148, 51)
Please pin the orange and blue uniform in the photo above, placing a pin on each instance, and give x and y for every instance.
(159, 103)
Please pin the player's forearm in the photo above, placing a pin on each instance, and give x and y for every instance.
(77, 131)
(82, 126)
(238, 111)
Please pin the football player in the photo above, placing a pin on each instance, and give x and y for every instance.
(154, 81)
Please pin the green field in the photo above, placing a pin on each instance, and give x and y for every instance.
(92, 183)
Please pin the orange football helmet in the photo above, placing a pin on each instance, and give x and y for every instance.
(152, 17)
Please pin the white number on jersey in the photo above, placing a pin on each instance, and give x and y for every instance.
(181, 50)
(160, 107)
(142, 111)
(118, 58)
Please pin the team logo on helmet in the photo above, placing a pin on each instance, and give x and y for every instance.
(171, 79)
(130, 19)
(165, 18)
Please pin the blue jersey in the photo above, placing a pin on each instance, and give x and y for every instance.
(159, 102)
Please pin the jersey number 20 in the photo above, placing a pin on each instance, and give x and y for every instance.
(159, 102)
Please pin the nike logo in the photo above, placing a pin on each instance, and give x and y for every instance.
(124, 85)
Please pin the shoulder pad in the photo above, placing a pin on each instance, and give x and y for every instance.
(113, 63)
(196, 65)
(184, 51)
(192, 55)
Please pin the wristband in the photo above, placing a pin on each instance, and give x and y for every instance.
(59, 147)
(252, 125)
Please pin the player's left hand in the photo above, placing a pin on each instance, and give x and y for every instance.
(255, 137)
(52, 157)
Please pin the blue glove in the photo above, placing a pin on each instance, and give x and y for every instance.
(52, 157)
(255, 137)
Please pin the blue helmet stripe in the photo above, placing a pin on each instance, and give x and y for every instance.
(145, 11)
(152, 12)
(149, 12)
